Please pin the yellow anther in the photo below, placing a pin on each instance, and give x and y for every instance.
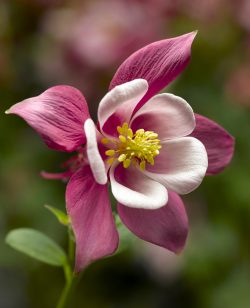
(110, 152)
(151, 160)
(125, 126)
(130, 133)
(122, 138)
(119, 129)
(153, 135)
(122, 157)
(110, 160)
(140, 131)
(126, 163)
(142, 165)
(137, 149)
(105, 140)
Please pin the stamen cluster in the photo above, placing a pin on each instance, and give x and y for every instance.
(139, 148)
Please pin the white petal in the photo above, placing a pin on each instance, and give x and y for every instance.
(168, 115)
(129, 94)
(96, 163)
(181, 165)
(133, 189)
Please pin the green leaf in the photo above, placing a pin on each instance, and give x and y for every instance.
(36, 245)
(60, 215)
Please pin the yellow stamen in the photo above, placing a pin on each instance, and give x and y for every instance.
(139, 148)
(105, 140)
(122, 138)
(142, 165)
(119, 129)
(122, 157)
(130, 133)
(110, 160)
(126, 163)
(110, 152)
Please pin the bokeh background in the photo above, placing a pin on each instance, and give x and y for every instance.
(81, 43)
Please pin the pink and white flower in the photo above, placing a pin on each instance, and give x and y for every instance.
(150, 148)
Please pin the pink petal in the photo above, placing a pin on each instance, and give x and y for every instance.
(167, 115)
(133, 189)
(180, 166)
(159, 63)
(95, 160)
(217, 141)
(118, 105)
(90, 211)
(166, 227)
(57, 115)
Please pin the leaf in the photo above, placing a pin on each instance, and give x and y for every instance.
(36, 245)
(60, 215)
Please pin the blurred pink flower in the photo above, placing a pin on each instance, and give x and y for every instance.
(150, 148)
(207, 10)
(241, 9)
(94, 36)
(237, 84)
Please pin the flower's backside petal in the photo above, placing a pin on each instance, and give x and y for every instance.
(118, 105)
(90, 212)
(217, 141)
(56, 176)
(181, 165)
(167, 115)
(166, 227)
(58, 115)
(159, 63)
(133, 189)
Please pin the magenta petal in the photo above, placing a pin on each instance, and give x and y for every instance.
(166, 227)
(92, 221)
(58, 115)
(159, 63)
(217, 141)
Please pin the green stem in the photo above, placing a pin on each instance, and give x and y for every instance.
(67, 291)
(71, 280)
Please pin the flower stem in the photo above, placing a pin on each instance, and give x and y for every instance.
(71, 280)
(67, 291)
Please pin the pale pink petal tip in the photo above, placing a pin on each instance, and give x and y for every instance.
(120, 103)
(167, 114)
(134, 189)
(181, 165)
(58, 115)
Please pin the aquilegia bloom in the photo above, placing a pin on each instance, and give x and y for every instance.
(150, 148)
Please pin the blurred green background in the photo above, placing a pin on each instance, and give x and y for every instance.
(81, 43)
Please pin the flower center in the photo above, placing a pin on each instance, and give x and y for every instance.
(139, 148)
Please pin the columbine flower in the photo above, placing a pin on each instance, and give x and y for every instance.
(149, 148)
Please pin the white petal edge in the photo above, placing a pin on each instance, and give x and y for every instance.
(183, 166)
(166, 114)
(95, 160)
(153, 195)
(130, 93)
